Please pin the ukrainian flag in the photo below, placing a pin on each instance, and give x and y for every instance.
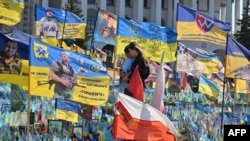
(211, 62)
(153, 39)
(92, 86)
(197, 30)
(237, 60)
(11, 12)
(67, 110)
(208, 87)
(71, 25)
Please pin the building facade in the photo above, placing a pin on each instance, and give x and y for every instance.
(161, 12)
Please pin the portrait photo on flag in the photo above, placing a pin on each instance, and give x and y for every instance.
(58, 73)
(105, 27)
(13, 60)
(58, 23)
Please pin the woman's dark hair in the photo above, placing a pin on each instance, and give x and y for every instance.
(135, 46)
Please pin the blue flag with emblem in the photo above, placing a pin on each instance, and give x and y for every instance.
(58, 73)
(198, 30)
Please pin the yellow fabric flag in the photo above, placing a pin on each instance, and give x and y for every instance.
(67, 110)
(56, 42)
(20, 79)
(242, 86)
(10, 12)
(66, 115)
(76, 49)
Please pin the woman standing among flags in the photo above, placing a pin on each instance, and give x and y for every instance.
(134, 51)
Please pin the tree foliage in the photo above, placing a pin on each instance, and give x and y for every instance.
(73, 7)
(243, 35)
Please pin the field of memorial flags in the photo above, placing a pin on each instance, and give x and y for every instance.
(190, 94)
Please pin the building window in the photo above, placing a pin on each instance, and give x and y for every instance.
(110, 2)
(128, 3)
(91, 1)
(162, 4)
(145, 3)
(91, 22)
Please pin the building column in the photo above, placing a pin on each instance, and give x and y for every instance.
(135, 6)
(45, 3)
(229, 11)
(152, 11)
(138, 9)
(211, 8)
(103, 4)
(234, 20)
(194, 4)
(222, 12)
(175, 11)
(158, 9)
(84, 7)
(120, 8)
(238, 13)
(170, 13)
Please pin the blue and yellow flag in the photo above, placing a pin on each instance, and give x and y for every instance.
(208, 87)
(218, 79)
(13, 60)
(11, 12)
(152, 38)
(57, 23)
(242, 86)
(56, 42)
(198, 62)
(197, 30)
(58, 73)
(202, 108)
(67, 110)
(237, 60)
(105, 28)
